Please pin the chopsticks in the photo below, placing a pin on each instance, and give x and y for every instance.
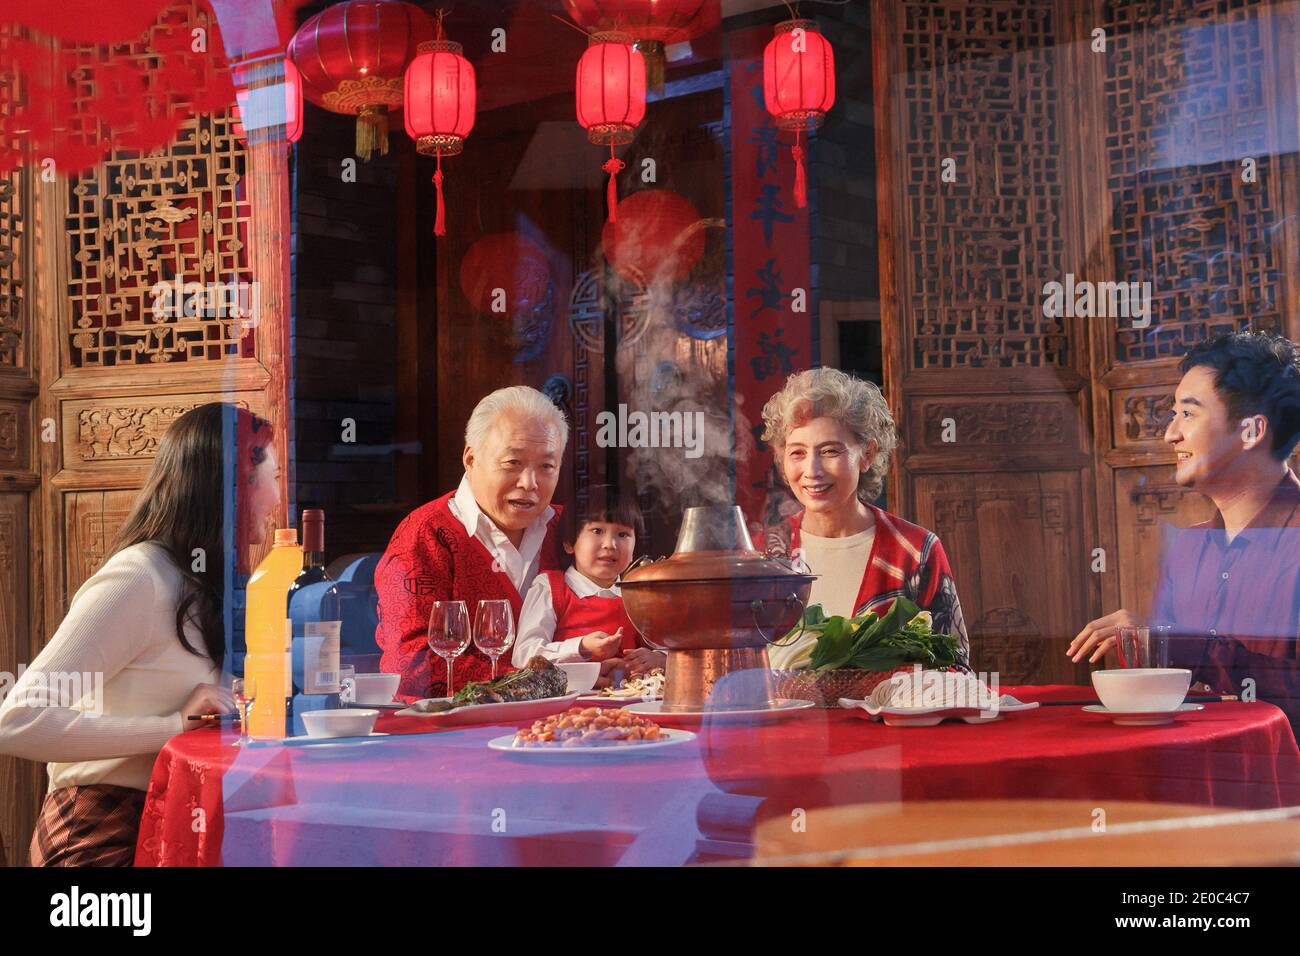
(1216, 699)
(213, 717)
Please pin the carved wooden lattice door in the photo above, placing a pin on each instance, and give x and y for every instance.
(1030, 442)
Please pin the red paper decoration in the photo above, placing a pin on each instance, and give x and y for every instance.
(353, 57)
(653, 24)
(441, 98)
(611, 100)
(292, 105)
(799, 86)
(658, 237)
(507, 261)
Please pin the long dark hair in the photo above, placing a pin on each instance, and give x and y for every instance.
(196, 497)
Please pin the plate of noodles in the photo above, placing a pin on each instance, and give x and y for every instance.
(921, 698)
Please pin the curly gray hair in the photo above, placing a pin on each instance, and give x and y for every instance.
(829, 392)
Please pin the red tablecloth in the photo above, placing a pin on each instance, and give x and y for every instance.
(421, 797)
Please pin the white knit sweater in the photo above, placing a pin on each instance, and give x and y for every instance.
(121, 630)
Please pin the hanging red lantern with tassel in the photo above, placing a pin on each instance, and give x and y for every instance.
(441, 98)
(652, 24)
(611, 100)
(799, 87)
(352, 57)
(292, 116)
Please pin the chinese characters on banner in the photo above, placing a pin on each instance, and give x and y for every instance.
(771, 258)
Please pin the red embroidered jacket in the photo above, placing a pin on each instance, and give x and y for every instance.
(579, 616)
(907, 561)
(431, 558)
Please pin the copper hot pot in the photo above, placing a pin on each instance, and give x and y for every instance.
(714, 606)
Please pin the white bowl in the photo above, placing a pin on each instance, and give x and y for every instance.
(1141, 690)
(377, 688)
(582, 676)
(339, 723)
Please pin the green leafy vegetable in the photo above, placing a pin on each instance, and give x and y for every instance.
(902, 636)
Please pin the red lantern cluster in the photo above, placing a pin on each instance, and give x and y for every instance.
(658, 237)
(441, 99)
(352, 57)
(799, 86)
(611, 100)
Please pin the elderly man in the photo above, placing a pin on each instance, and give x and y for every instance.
(486, 540)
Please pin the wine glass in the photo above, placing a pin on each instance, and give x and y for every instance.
(448, 633)
(244, 691)
(494, 629)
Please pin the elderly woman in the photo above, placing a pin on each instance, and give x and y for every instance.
(486, 540)
(832, 436)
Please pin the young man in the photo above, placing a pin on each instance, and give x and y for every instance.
(1230, 587)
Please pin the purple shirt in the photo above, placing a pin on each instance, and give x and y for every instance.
(1234, 607)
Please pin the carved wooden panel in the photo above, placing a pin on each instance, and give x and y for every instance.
(14, 443)
(99, 432)
(1139, 416)
(12, 290)
(979, 84)
(1146, 500)
(1018, 557)
(91, 522)
(941, 424)
(1190, 90)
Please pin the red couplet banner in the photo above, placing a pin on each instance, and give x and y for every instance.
(773, 330)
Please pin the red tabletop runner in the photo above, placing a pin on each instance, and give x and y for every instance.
(442, 797)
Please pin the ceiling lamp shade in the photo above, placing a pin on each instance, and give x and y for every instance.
(652, 24)
(610, 96)
(799, 86)
(441, 99)
(353, 57)
(259, 108)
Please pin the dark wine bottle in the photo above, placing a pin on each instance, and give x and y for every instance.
(316, 624)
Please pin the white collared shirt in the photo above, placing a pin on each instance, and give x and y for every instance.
(519, 564)
(537, 620)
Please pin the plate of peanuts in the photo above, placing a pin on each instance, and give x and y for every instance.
(590, 730)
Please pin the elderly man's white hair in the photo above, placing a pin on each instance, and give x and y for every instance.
(519, 400)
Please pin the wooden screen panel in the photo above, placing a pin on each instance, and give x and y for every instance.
(979, 85)
(1017, 554)
(91, 520)
(20, 780)
(12, 284)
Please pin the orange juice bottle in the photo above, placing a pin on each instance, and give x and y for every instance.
(268, 636)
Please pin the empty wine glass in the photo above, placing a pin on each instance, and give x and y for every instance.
(448, 634)
(244, 691)
(494, 629)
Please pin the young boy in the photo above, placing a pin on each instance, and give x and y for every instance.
(578, 615)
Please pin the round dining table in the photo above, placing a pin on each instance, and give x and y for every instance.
(424, 794)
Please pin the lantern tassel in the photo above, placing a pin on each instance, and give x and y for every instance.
(372, 132)
(613, 166)
(800, 175)
(440, 220)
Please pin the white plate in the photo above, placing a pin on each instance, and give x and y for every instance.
(932, 716)
(784, 708)
(495, 713)
(313, 741)
(598, 699)
(672, 737)
(1142, 718)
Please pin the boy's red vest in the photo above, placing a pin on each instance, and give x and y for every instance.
(578, 616)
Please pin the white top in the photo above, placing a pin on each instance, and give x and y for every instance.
(104, 695)
(537, 620)
(840, 564)
(520, 564)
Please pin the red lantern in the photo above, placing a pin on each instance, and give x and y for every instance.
(440, 102)
(292, 116)
(352, 57)
(658, 236)
(799, 86)
(653, 24)
(611, 99)
(507, 261)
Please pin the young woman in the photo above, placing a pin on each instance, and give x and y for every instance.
(143, 641)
